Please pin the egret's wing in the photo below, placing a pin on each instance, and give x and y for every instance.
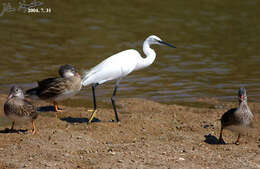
(114, 67)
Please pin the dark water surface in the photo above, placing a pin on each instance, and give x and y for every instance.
(217, 46)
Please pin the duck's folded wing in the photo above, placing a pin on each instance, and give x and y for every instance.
(46, 81)
(25, 110)
(52, 87)
(41, 86)
(228, 117)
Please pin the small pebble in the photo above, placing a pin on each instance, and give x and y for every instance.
(217, 107)
(79, 137)
(205, 126)
(181, 159)
(113, 153)
(183, 151)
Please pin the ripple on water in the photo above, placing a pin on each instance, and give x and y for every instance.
(217, 48)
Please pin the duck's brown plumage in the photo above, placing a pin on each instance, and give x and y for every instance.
(237, 119)
(60, 88)
(229, 118)
(20, 108)
(16, 108)
(52, 88)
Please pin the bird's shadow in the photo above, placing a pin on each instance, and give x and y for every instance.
(67, 119)
(78, 120)
(210, 139)
(7, 130)
(45, 109)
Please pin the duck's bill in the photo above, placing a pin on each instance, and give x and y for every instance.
(167, 44)
(10, 96)
(77, 74)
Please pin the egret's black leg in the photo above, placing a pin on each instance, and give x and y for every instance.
(94, 103)
(94, 95)
(113, 101)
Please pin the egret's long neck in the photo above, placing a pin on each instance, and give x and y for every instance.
(150, 55)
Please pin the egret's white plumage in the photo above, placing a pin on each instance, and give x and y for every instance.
(120, 65)
(114, 67)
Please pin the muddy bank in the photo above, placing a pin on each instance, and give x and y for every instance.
(150, 135)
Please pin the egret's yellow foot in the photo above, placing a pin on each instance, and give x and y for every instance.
(92, 116)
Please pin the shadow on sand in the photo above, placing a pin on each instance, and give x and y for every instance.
(210, 139)
(78, 120)
(7, 130)
(67, 119)
(46, 109)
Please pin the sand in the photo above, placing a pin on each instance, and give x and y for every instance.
(150, 135)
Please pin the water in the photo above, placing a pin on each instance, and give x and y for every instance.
(217, 46)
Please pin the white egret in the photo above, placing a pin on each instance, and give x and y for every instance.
(118, 66)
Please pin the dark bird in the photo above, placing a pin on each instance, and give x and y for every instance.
(16, 108)
(237, 119)
(59, 88)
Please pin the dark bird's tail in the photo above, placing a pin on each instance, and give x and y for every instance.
(31, 93)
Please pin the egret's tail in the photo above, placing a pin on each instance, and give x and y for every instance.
(85, 80)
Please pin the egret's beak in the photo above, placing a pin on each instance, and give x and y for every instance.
(167, 44)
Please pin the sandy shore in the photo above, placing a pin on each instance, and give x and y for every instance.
(150, 135)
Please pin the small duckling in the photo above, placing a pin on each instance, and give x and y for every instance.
(16, 108)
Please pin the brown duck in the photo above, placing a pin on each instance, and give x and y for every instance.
(16, 108)
(60, 88)
(237, 119)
